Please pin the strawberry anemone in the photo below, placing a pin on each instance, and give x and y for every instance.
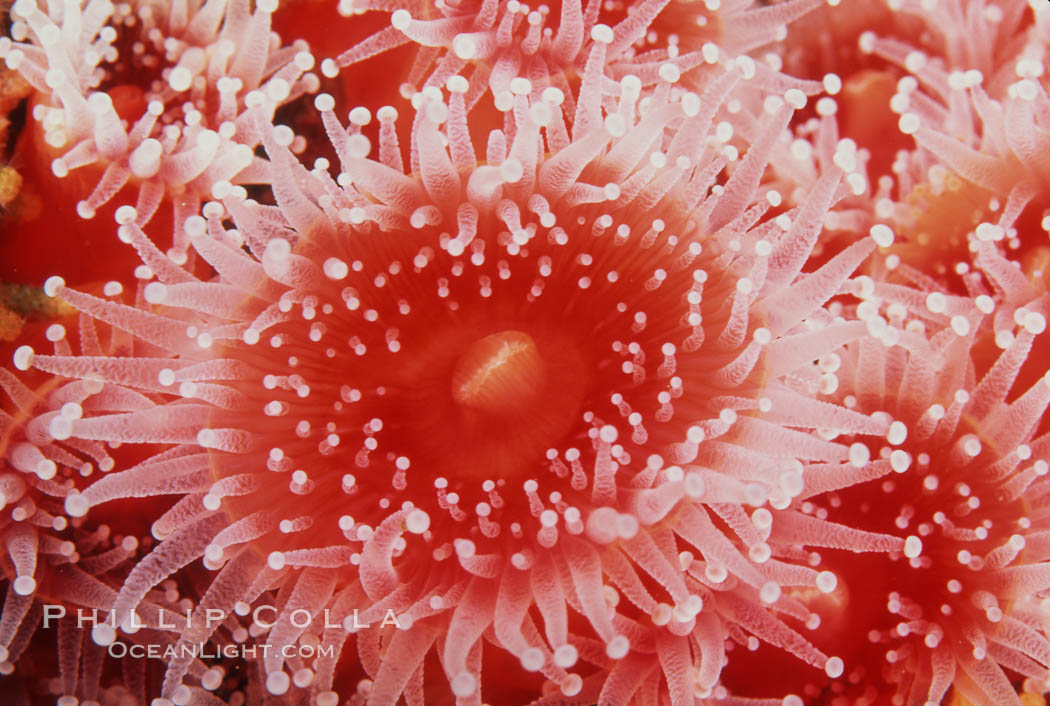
(151, 96)
(507, 407)
(492, 43)
(986, 36)
(57, 568)
(977, 111)
(733, 26)
(959, 477)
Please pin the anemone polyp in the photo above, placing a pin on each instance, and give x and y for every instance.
(55, 564)
(588, 413)
(505, 45)
(499, 372)
(975, 108)
(502, 41)
(154, 95)
(524, 398)
(957, 475)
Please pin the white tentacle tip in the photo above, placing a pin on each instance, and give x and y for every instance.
(618, 647)
(76, 505)
(53, 284)
(602, 34)
(103, 634)
(324, 102)
(24, 585)
(23, 357)
(277, 683)
(85, 210)
(417, 521)
(463, 684)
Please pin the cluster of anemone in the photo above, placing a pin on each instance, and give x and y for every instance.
(52, 559)
(153, 96)
(956, 476)
(602, 367)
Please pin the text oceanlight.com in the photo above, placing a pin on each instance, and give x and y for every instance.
(202, 650)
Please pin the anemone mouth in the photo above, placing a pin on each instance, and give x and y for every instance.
(137, 56)
(498, 373)
(483, 405)
(135, 64)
